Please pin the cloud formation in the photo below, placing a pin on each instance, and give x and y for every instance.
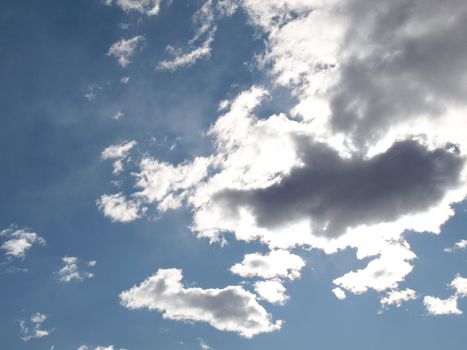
(436, 306)
(229, 309)
(71, 272)
(33, 328)
(147, 7)
(124, 49)
(17, 242)
(372, 147)
(275, 264)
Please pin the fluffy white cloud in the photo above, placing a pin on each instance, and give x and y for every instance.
(459, 284)
(397, 297)
(228, 309)
(382, 273)
(118, 208)
(17, 242)
(272, 291)
(124, 49)
(339, 293)
(436, 306)
(70, 271)
(147, 7)
(275, 264)
(33, 328)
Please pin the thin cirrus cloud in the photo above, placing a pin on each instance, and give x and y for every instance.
(228, 309)
(372, 148)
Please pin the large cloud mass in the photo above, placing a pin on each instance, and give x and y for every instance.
(373, 146)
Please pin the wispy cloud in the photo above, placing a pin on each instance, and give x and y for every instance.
(124, 49)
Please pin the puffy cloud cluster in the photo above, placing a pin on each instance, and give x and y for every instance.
(229, 309)
(71, 272)
(397, 297)
(33, 328)
(17, 242)
(373, 147)
(436, 306)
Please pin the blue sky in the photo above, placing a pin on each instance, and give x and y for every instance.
(232, 174)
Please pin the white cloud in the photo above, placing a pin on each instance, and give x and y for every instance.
(384, 272)
(119, 153)
(459, 284)
(119, 115)
(361, 158)
(118, 208)
(109, 347)
(147, 7)
(203, 345)
(397, 297)
(125, 80)
(124, 49)
(199, 47)
(275, 264)
(228, 309)
(17, 242)
(272, 291)
(33, 329)
(70, 271)
(458, 246)
(436, 306)
(339, 293)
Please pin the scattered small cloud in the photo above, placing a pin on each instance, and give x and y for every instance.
(16, 242)
(339, 293)
(118, 208)
(71, 271)
(118, 153)
(33, 328)
(436, 306)
(461, 245)
(397, 297)
(275, 264)
(203, 345)
(124, 49)
(271, 291)
(147, 7)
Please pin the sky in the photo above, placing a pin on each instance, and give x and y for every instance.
(233, 174)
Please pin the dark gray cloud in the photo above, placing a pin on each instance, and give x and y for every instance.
(337, 193)
(405, 58)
